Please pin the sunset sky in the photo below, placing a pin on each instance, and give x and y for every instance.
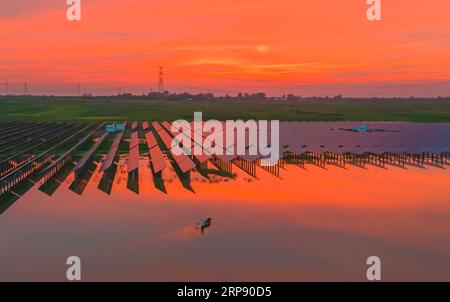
(305, 47)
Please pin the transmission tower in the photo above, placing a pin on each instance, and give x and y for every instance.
(25, 88)
(161, 80)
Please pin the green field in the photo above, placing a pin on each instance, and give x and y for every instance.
(50, 109)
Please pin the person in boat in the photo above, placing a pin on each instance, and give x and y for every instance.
(204, 223)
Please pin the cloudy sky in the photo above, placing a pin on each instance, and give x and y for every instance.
(319, 47)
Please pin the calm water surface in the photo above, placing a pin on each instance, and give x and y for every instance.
(313, 224)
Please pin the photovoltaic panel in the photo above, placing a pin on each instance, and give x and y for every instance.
(167, 126)
(133, 156)
(395, 137)
(151, 140)
(88, 155)
(157, 159)
(184, 163)
(156, 156)
(157, 126)
(227, 158)
(250, 158)
(201, 157)
(68, 152)
(159, 165)
(112, 152)
(166, 138)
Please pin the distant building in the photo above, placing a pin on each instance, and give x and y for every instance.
(115, 128)
(362, 128)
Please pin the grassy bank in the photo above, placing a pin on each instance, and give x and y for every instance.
(112, 109)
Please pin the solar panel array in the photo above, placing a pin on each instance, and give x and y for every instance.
(393, 137)
(183, 161)
(21, 145)
(68, 152)
(14, 131)
(24, 156)
(88, 155)
(216, 138)
(34, 163)
(338, 137)
(200, 154)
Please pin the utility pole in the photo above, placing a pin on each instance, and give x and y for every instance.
(161, 80)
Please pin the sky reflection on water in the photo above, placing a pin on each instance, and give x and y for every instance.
(312, 224)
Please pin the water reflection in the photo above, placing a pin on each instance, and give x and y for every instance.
(81, 180)
(311, 224)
